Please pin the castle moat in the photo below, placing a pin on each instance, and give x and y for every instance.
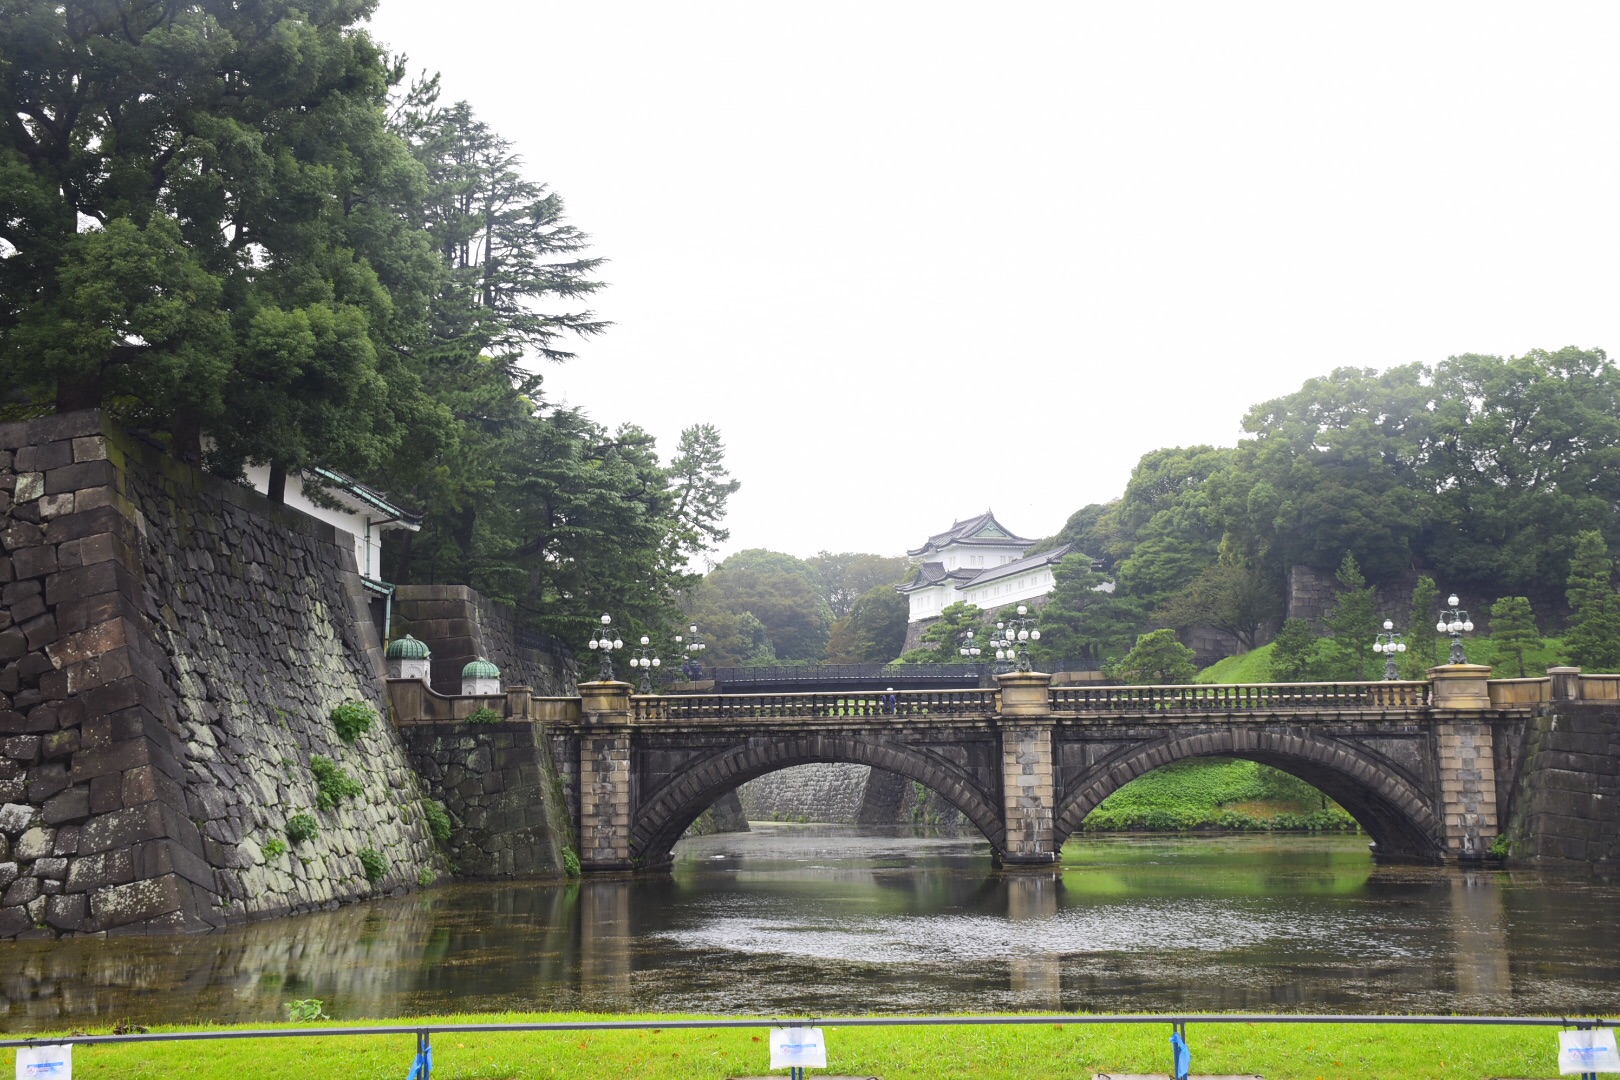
(794, 920)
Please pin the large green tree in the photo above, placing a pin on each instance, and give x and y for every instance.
(1157, 659)
(873, 632)
(781, 591)
(208, 226)
(849, 575)
(1346, 654)
(943, 640)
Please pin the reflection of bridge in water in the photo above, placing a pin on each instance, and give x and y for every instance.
(1426, 767)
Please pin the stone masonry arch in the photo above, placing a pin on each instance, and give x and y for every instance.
(1393, 811)
(669, 811)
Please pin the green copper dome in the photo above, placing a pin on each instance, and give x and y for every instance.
(407, 648)
(480, 669)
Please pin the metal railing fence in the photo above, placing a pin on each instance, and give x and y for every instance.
(841, 705)
(1240, 697)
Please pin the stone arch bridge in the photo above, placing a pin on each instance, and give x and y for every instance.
(1426, 767)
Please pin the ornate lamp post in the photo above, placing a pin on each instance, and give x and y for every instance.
(690, 666)
(1389, 643)
(1455, 621)
(603, 642)
(1004, 650)
(1020, 632)
(647, 660)
(969, 649)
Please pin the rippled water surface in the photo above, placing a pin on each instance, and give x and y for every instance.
(823, 919)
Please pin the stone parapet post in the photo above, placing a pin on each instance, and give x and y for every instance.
(1029, 795)
(1461, 686)
(605, 779)
(1466, 760)
(1566, 683)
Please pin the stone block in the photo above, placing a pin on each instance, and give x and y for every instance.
(25, 890)
(66, 912)
(88, 643)
(14, 921)
(35, 843)
(117, 757)
(39, 631)
(13, 643)
(46, 780)
(33, 562)
(68, 806)
(67, 841)
(84, 474)
(137, 902)
(89, 872)
(17, 817)
(39, 719)
(90, 448)
(20, 747)
(69, 425)
(52, 866)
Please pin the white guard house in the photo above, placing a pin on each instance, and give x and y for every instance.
(981, 562)
(344, 503)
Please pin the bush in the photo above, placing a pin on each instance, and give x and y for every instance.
(438, 820)
(425, 877)
(306, 1009)
(301, 827)
(570, 862)
(373, 863)
(484, 715)
(274, 848)
(352, 719)
(335, 784)
(1501, 848)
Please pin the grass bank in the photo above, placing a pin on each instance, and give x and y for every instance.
(1254, 666)
(1279, 1052)
(1218, 793)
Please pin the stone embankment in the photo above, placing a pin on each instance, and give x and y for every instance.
(171, 648)
(1567, 807)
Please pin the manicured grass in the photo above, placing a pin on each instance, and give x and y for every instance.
(1279, 1052)
(1217, 793)
(1253, 666)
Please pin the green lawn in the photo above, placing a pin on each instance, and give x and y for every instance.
(1217, 793)
(1279, 1052)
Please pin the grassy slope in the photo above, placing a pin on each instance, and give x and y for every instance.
(1255, 666)
(1302, 1051)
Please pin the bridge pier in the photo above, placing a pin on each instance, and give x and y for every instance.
(606, 793)
(1465, 757)
(1028, 790)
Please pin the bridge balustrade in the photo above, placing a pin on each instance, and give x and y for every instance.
(1241, 697)
(903, 704)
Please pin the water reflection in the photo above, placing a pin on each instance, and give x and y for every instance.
(832, 919)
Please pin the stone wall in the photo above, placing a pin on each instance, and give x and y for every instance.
(504, 797)
(827, 793)
(459, 625)
(1567, 805)
(171, 646)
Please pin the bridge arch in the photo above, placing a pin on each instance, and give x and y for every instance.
(670, 810)
(1393, 811)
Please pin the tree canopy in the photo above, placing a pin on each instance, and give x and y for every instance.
(236, 229)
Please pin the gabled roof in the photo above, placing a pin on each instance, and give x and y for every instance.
(933, 573)
(361, 497)
(984, 529)
(1020, 566)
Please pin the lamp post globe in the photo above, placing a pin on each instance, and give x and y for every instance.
(1455, 621)
(1389, 644)
(602, 642)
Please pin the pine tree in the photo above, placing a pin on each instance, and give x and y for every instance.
(1157, 660)
(1422, 639)
(1347, 654)
(1593, 640)
(1513, 630)
(1293, 653)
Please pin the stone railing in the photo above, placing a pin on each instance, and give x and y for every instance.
(902, 704)
(413, 701)
(1506, 692)
(1240, 697)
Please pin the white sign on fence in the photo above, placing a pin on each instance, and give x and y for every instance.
(45, 1062)
(798, 1048)
(1590, 1051)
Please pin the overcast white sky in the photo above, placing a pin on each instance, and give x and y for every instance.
(916, 259)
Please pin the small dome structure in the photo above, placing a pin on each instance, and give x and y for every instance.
(480, 677)
(407, 658)
(480, 669)
(407, 648)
